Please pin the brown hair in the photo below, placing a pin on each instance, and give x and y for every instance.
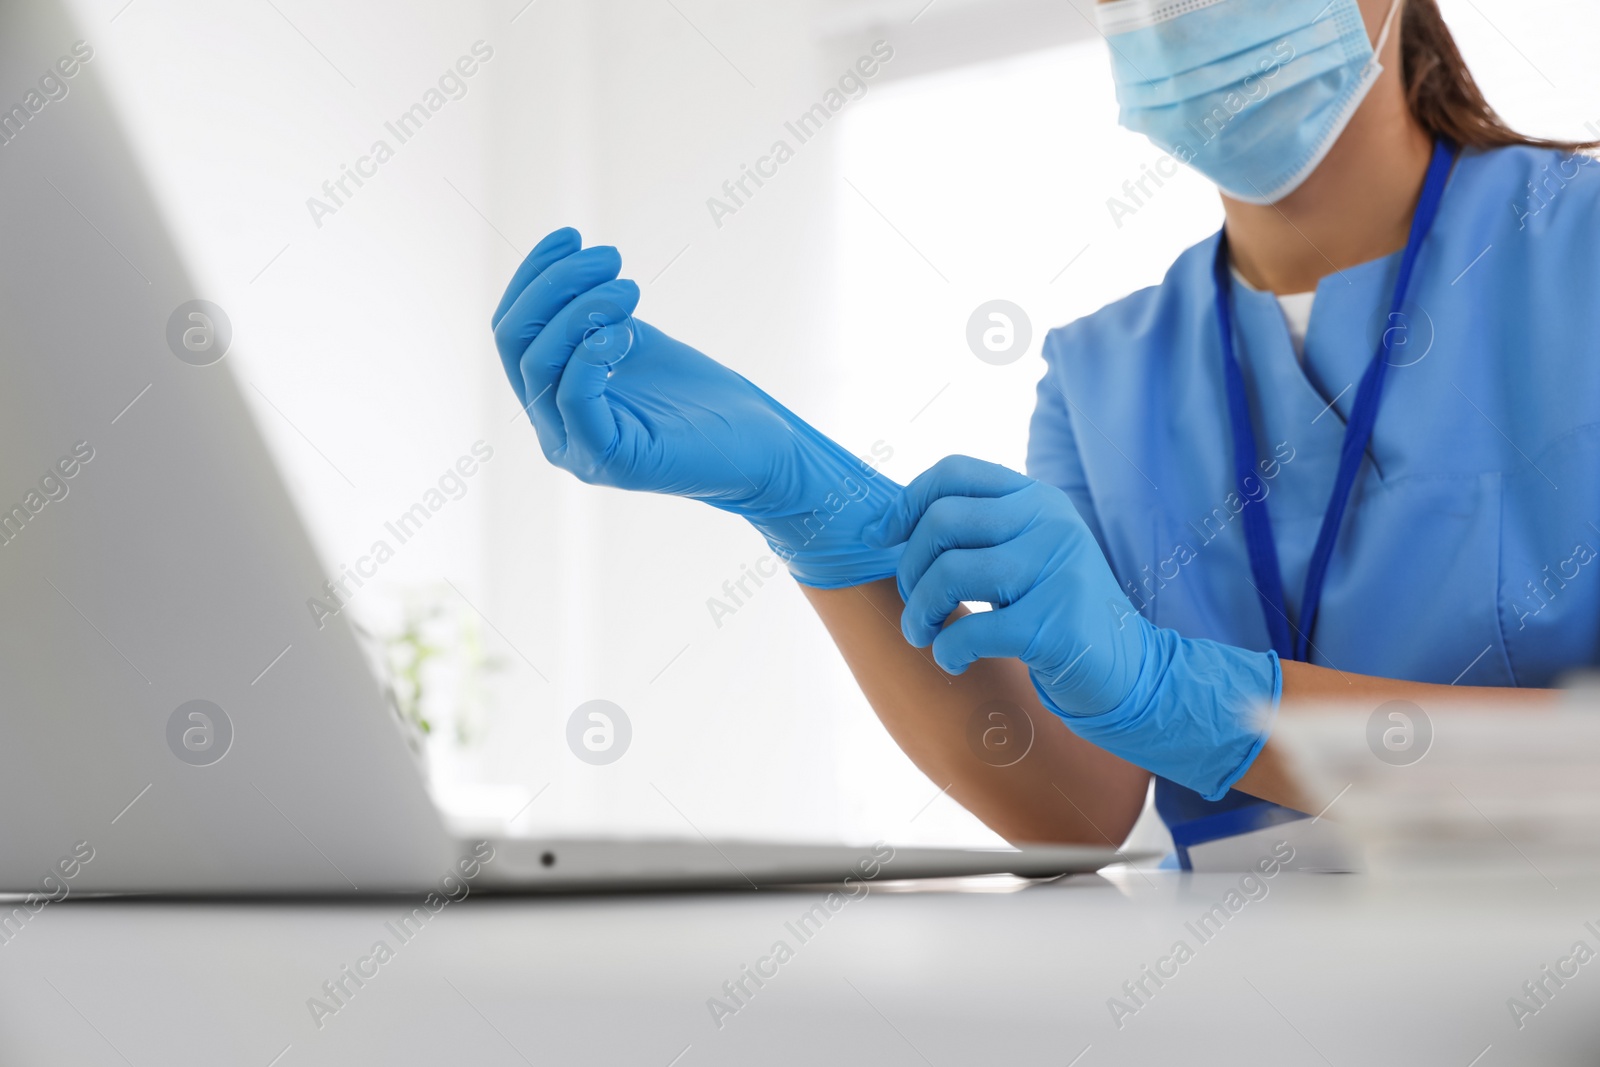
(1441, 92)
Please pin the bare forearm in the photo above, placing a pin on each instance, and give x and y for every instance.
(1064, 790)
(1306, 684)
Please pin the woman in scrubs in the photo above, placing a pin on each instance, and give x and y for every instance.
(1349, 449)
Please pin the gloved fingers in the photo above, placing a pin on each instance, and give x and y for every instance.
(951, 476)
(992, 575)
(546, 358)
(1003, 633)
(590, 423)
(1061, 652)
(571, 278)
(556, 245)
(957, 522)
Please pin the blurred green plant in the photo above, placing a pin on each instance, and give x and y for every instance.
(408, 652)
(436, 654)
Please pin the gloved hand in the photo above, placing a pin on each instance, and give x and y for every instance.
(617, 402)
(1188, 710)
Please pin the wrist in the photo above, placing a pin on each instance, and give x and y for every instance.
(1198, 712)
(821, 540)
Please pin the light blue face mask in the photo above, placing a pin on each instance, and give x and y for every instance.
(1251, 93)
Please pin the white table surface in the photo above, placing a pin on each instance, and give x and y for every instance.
(1352, 969)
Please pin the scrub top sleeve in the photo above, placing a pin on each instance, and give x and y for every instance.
(1053, 448)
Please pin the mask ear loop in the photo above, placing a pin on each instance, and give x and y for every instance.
(1383, 34)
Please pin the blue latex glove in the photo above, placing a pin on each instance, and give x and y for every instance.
(973, 531)
(617, 402)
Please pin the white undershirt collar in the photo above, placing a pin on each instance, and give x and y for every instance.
(1296, 308)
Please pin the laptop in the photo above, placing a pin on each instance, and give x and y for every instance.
(152, 567)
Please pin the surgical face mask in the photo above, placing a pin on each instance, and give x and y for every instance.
(1251, 93)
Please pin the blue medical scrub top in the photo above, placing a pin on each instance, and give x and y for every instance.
(1470, 552)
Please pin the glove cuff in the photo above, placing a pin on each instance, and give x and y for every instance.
(815, 527)
(840, 569)
(823, 547)
(1199, 712)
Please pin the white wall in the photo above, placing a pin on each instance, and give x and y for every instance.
(989, 143)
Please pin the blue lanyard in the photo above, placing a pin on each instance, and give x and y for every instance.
(1358, 432)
